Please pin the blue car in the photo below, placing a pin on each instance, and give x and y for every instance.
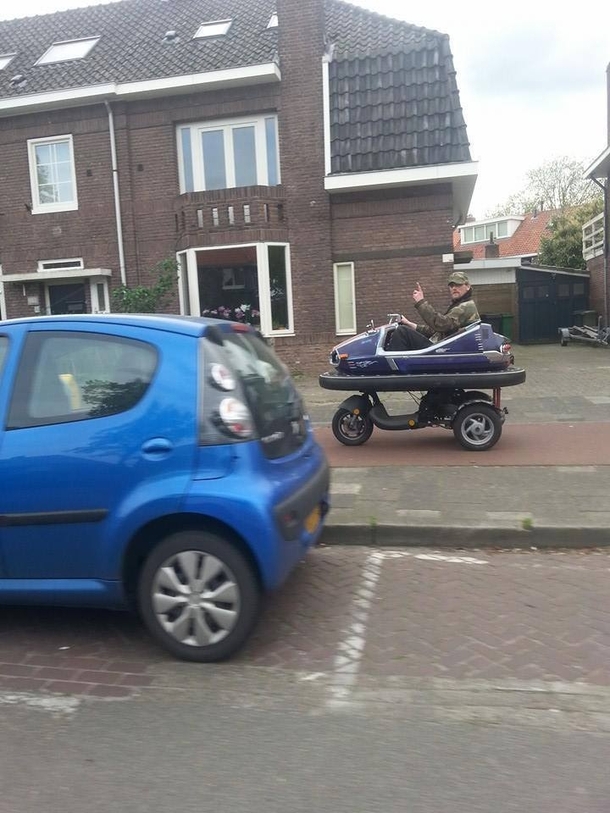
(163, 463)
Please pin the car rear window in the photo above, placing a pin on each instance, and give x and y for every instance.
(276, 405)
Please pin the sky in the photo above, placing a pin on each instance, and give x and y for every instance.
(531, 76)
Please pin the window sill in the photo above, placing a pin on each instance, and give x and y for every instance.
(54, 208)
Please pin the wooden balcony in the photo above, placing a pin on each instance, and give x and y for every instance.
(245, 214)
(593, 237)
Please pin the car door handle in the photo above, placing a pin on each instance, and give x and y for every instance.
(157, 446)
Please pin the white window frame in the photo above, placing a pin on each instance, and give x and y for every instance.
(5, 60)
(95, 300)
(190, 289)
(227, 126)
(47, 58)
(215, 28)
(69, 264)
(342, 330)
(37, 206)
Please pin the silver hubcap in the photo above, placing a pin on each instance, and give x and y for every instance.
(478, 429)
(195, 598)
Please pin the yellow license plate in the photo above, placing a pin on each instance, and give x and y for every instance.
(313, 520)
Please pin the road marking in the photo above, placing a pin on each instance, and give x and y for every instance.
(56, 704)
(351, 648)
(345, 488)
(455, 560)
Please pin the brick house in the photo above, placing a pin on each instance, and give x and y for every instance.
(519, 297)
(306, 159)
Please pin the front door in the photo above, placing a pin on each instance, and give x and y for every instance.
(67, 298)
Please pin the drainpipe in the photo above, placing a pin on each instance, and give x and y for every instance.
(604, 188)
(117, 195)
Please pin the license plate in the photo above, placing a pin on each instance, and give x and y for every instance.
(313, 520)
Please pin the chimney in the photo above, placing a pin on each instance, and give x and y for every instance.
(492, 249)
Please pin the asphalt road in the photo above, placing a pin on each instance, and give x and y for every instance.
(198, 755)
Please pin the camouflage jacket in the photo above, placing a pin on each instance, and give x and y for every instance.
(438, 326)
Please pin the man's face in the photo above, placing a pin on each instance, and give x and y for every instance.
(456, 291)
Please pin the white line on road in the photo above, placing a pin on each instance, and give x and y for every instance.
(55, 704)
(351, 647)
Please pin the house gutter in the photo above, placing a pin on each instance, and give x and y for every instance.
(117, 195)
(604, 188)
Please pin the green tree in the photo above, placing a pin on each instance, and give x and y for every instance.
(557, 184)
(563, 247)
(143, 298)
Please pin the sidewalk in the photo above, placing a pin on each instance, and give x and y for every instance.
(545, 485)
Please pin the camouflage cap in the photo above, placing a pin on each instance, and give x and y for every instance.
(458, 278)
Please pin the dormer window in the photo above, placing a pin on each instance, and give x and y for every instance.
(480, 232)
(5, 59)
(273, 21)
(66, 51)
(214, 29)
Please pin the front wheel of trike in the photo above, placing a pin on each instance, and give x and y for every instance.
(477, 427)
(351, 428)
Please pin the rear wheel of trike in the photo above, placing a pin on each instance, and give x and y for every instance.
(199, 596)
(351, 428)
(477, 427)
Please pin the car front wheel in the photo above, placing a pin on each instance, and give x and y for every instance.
(198, 596)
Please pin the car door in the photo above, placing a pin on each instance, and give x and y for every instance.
(98, 438)
(4, 348)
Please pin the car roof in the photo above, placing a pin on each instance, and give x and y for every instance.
(188, 325)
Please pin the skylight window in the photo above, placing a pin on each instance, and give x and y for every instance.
(5, 59)
(215, 29)
(65, 51)
(273, 21)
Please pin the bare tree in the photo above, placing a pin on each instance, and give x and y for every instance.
(557, 184)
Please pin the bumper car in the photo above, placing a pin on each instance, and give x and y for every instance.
(448, 376)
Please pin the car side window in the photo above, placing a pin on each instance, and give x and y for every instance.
(74, 376)
(3, 350)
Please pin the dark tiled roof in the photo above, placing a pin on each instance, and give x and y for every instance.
(525, 242)
(131, 46)
(393, 95)
(394, 101)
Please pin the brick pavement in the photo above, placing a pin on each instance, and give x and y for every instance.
(520, 616)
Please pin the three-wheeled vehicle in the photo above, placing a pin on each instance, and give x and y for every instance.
(444, 380)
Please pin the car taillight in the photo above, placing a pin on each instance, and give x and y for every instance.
(222, 377)
(235, 417)
(505, 348)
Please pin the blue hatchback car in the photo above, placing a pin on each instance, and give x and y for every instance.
(158, 462)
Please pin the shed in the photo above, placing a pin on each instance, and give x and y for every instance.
(550, 298)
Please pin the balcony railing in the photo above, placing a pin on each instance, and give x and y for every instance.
(593, 237)
(243, 209)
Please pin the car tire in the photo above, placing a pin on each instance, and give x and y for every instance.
(198, 596)
(477, 427)
(351, 429)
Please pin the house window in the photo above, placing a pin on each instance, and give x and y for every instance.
(65, 51)
(52, 174)
(5, 59)
(72, 264)
(246, 282)
(345, 300)
(228, 154)
(214, 29)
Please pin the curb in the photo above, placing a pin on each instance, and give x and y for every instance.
(439, 536)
